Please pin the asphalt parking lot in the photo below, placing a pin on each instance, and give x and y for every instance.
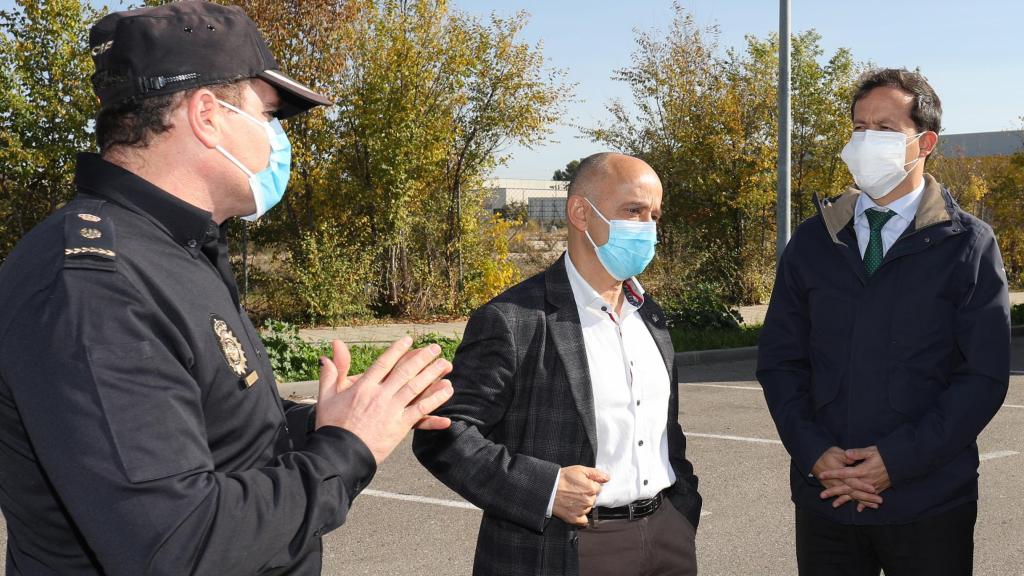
(408, 524)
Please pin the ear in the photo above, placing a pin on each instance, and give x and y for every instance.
(205, 117)
(927, 143)
(576, 212)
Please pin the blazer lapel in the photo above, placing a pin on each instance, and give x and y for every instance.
(654, 318)
(564, 324)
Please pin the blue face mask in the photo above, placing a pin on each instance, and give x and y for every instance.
(268, 185)
(630, 246)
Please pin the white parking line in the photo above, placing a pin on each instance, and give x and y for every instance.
(997, 454)
(438, 501)
(420, 499)
(1012, 406)
(710, 385)
(728, 437)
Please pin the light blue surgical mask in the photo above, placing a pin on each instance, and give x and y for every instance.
(268, 185)
(630, 246)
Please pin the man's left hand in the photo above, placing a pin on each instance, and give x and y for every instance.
(870, 469)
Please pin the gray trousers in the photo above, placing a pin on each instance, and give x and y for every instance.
(662, 544)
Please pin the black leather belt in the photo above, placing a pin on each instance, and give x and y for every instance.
(632, 511)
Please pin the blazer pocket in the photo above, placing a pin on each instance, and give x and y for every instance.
(153, 416)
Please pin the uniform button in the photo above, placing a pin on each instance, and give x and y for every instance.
(637, 402)
(575, 540)
(192, 243)
(318, 532)
(604, 308)
(641, 442)
(927, 240)
(645, 482)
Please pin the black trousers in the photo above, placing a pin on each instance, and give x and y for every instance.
(940, 545)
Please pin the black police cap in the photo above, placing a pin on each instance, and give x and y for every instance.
(160, 50)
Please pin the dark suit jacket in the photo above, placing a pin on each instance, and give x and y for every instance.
(524, 408)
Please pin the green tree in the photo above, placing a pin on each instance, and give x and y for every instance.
(568, 173)
(707, 122)
(46, 105)
(427, 101)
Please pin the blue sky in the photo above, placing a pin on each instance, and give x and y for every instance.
(970, 52)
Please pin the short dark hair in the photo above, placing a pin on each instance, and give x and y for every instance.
(926, 111)
(134, 122)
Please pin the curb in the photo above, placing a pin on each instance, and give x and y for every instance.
(308, 388)
(695, 357)
(691, 358)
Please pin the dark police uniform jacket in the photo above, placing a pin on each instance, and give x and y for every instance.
(141, 431)
(914, 359)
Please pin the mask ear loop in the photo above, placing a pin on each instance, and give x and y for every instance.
(913, 163)
(266, 128)
(601, 216)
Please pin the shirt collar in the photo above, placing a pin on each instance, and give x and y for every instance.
(188, 225)
(587, 297)
(905, 207)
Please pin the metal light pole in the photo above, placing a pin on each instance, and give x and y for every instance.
(785, 115)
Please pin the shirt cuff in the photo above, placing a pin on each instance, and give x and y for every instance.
(551, 501)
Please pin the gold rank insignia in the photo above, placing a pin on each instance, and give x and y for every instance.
(232, 349)
(90, 233)
(89, 217)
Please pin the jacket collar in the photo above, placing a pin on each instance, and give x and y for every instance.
(189, 226)
(937, 206)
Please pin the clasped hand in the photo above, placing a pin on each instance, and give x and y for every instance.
(858, 474)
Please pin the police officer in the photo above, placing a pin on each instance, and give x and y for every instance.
(141, 431)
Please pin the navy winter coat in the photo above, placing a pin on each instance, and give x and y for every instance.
(914, 360)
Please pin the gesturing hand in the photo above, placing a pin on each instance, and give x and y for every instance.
(578, 487)
(396, 393)
(843, 490)
(870, 472)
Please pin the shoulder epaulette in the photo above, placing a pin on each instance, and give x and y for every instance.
(89, 237)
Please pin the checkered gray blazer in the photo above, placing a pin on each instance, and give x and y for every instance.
(523, 408)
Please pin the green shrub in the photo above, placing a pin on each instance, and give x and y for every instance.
(295, 360)
(702, 307)
(686, 339)
(1017, 315)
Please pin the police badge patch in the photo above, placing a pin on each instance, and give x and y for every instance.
(230, 347)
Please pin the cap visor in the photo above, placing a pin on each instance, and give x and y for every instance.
(295, 97)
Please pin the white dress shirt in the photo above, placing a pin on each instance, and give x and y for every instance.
(631, 392)
(905, 209)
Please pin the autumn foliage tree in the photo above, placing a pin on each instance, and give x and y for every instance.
(46, 106)
(706, 120)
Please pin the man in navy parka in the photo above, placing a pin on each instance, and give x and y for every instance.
(885, 352)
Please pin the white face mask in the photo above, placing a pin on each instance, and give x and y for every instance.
(877, 160)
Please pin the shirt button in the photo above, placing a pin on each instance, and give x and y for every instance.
(192, 243)
(604, 308)
(645, 482)
(637, 402)
(641, 442)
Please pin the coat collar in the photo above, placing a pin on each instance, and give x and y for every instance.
(937, 206)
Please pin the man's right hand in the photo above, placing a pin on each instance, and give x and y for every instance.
(578, 487)
(398, 392)
(843, 491)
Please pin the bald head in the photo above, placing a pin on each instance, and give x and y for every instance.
(617, 186)
(600, 172)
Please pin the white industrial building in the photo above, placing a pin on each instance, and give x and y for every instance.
(544, 199)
